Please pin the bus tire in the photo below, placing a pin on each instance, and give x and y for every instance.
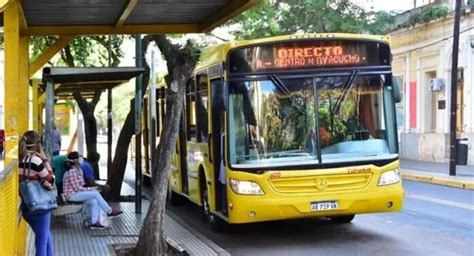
(342, 219)
(216, 223)
(206, 207)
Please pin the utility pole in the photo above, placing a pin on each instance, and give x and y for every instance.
(454, 79)
(138, 127)
(109, 114)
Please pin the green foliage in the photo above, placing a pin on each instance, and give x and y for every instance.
(38, 44)
(426, 15)
(381, 23)
(83, 51)
(279, 17)
(334, 123)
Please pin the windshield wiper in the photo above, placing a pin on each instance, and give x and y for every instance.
(288, 153)
(345, 92)
(278, 83)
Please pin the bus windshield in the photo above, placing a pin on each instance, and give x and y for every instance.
(277, 121)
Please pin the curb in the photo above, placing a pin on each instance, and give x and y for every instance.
(216, 248)
(219, 250)
(438, 180)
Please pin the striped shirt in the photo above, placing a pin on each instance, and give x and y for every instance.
(73, 182)
(38, 168)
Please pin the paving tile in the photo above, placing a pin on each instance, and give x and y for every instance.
(72, 238)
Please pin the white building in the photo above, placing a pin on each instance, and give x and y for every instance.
(422, 57)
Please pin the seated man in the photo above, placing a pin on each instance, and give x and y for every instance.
(59, 168)
(88, 170)
(74, 190)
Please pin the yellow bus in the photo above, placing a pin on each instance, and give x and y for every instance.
(288, 127)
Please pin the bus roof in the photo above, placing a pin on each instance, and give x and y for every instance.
(216, 54)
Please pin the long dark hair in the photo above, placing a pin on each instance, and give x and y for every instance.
(28, 144)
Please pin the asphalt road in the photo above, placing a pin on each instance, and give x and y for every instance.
(435, 220)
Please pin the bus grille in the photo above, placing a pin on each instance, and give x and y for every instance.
(320, 184)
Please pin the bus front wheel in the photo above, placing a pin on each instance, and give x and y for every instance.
(217, 224)
(342, 219)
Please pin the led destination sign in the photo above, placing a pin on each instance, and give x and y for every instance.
(312, 56)
(305, 55)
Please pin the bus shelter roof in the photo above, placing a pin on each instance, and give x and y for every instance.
(72, 17)
(87, 80)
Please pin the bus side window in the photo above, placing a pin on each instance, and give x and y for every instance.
(202, 108)
(162, 108)
(160, 102)
(191, 110)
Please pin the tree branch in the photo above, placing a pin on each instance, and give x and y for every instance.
(96, 98)
(106, 43)
(165, 46)
(83, 104)
(218, 37)
(68, 58)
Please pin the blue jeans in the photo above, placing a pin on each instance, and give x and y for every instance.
(59, 187)
(94, 200)
(41, 224)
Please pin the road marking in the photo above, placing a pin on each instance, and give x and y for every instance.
(441, 201)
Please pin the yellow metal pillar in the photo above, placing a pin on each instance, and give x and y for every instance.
(13, 235)
(36, 105)
(16, 81)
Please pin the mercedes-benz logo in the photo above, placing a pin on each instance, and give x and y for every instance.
(321, 184)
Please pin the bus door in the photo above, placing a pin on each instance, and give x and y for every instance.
(189, 149)
(183, 154)
(217, 153)
(197, 132)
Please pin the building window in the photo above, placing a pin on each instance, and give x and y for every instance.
(434, 102)
(400, 106)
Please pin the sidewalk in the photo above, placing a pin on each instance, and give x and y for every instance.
(71, 238)
(437, 173)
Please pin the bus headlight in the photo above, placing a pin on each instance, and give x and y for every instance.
(245, 187)
(389, 177)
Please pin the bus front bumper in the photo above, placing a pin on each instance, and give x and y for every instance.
(246, 209)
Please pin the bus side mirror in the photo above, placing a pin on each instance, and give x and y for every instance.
(396, 91)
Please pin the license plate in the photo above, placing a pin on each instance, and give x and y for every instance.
(324, 206)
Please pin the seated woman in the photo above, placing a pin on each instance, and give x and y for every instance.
(74, 190)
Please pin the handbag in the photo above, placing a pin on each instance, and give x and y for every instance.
(35, 197)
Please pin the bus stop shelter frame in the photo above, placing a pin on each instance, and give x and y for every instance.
(66, 19)
(62, 82)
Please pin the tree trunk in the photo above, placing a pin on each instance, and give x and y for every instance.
(119, 163)
(90, 128)
(181, 63)
(117, 171)
(90, 124)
